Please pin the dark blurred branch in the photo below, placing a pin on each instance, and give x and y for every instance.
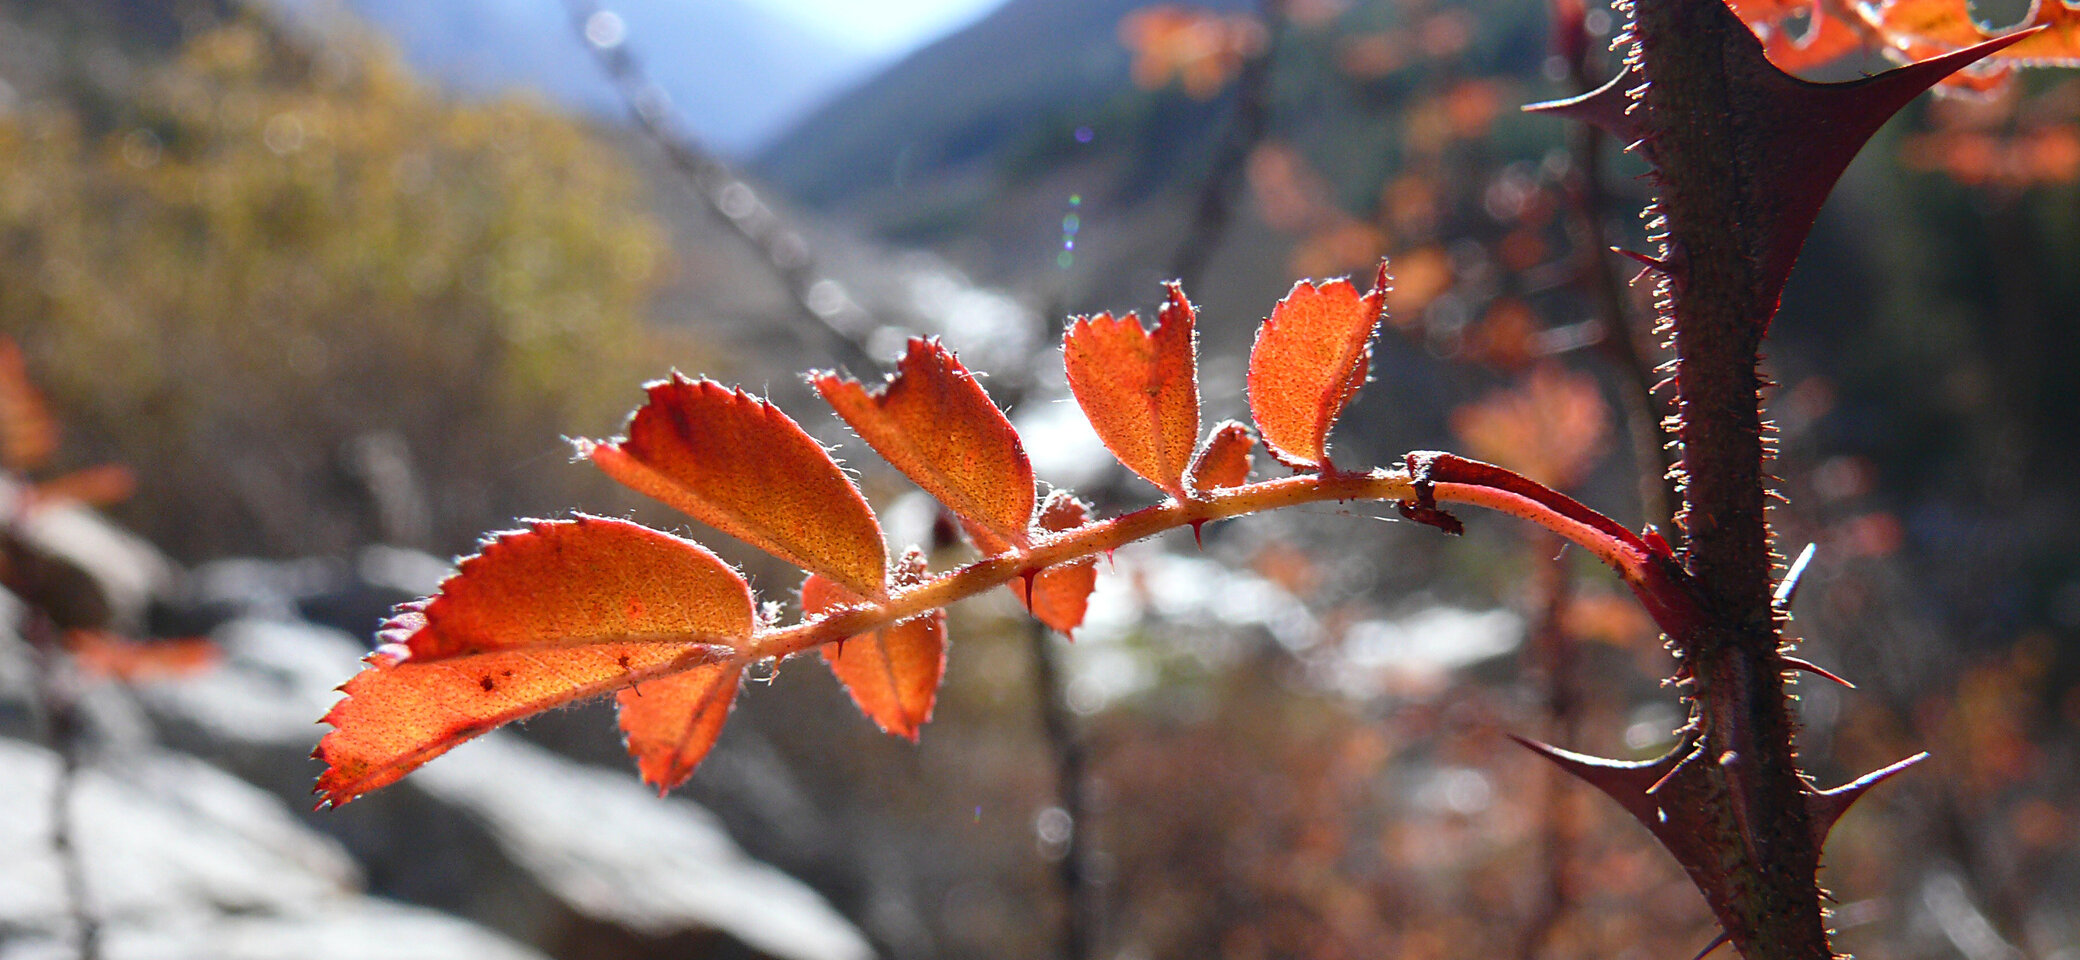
(1082, 907)
(59, 705)
(1250, 122)
(1554, 651)
(820, 302)
(1651, 455)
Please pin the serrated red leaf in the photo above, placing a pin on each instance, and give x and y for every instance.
(738, 464)
(1309, 359)
(1225, 460)
(893, 673)
(543, 617)
(395, 717)
(933, 421)
(1060, 595)
(588, 580)
(1140, 390)
(671, 723)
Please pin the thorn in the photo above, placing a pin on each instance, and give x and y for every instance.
(1787, 588)
(1624, 782)
(1672, 771)
(1606, 108)
(1809, 667)
(1028, 576)
(1717, 942)
(1657, 543)
(1827, 806)
(1196, 538)
(1655, 264)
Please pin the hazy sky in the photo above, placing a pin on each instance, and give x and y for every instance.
(882, 27)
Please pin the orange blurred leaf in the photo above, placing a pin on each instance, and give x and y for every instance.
(1140, 390)
(105, 654)
(543, 617)
(1059, 595)
(99, 486)
(1225, 461)
(1310, 358)
(1550, 427)
(671, 722)
(893, 673)
(738, 464)
(933, 421)
(27, 432)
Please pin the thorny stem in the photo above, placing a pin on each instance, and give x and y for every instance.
(1770, 903)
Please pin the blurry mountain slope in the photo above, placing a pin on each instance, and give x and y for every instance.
(739, 72)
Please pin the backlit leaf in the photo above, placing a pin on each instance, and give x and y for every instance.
(1309, 359)
(739, 465)
(1225, 461)
(1140, 390)
(670, 723)
(1552, 426)
(590, 580)
(933, 421)
(1059, 595)
(892, 673)
(543, 617)
(396, 716)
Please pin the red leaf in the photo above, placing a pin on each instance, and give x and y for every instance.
(1310, 358)
(932, 421)
(892, 673)
(1225, 461)
(1059, 595)
(1140, 390)
(542, 617)
(739, 465)
(671, 722)
(396, 716)
(586, 581)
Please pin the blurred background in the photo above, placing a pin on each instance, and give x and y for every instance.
(303, 297)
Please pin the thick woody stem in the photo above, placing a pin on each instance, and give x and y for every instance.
(1719, 305)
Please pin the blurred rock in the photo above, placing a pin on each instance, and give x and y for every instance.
(500, 830)
(182, 860)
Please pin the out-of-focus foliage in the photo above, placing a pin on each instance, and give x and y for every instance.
(268, 251)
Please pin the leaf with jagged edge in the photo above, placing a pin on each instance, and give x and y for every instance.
(671, 723)
(1224, 462)
(1140, 389)
(543, 617)
(736, 463)
(1309, 360)
(1060, 595)
(892, 673)
(932, 421)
